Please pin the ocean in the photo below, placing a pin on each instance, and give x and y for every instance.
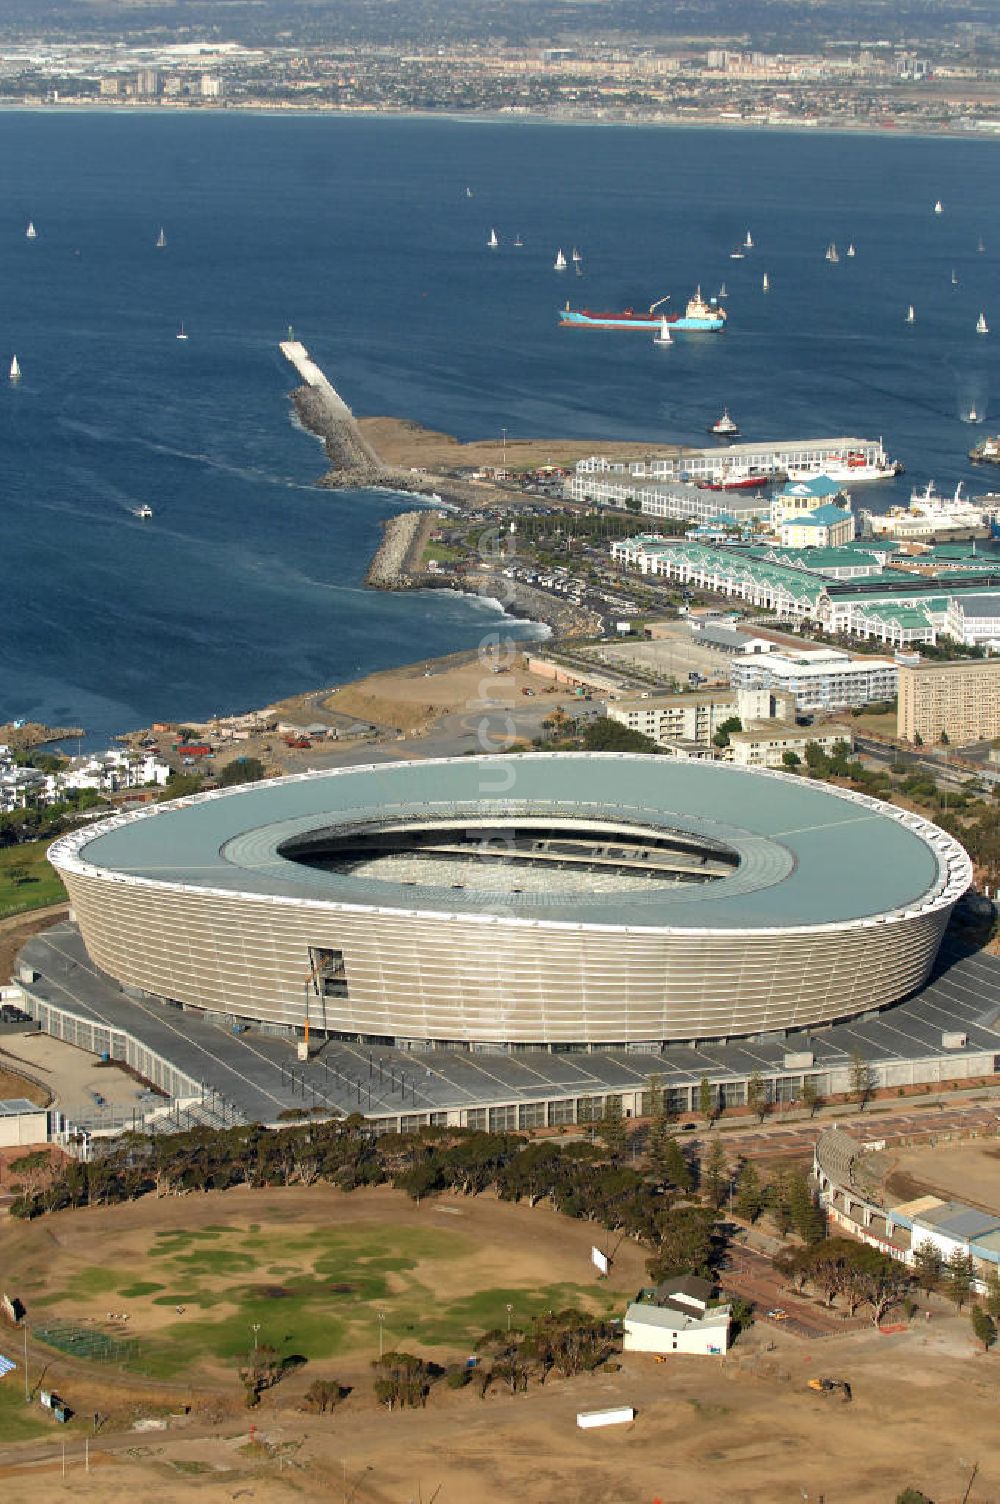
(358, 232)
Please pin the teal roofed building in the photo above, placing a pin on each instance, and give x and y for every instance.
(825, 526)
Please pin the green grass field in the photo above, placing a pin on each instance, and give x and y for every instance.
(310, 1292)
(18, 1421)
(39, 884)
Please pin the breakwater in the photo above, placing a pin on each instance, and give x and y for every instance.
(397, 560)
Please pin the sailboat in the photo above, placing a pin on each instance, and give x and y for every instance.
(15, 369)
(560, 261)
(579, 269)
(831, 252)
(982, 327)
(494, 240)
(31, 233)
(161, 239)
(954, 277)
(938, 207)
(180, 333)
(737, 254)
(576, 255)
(518, 242)
(850, 249)
(748, 242)
(722, 293)
(972, 416)
(766, 286)
(980, 247)
(911, 317)
(663, 336)
(468, 192)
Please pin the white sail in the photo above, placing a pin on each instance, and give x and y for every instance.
(494, 240)
(938, 207)
(722, 291)
(850, 249)
(15, 370)
(911, 317)
(982, 327)
(161, 239)
(748, 242)
(182, 332)
(31, 233)
(560, 261)
(576, 255)
(765, 284)
(663, 337)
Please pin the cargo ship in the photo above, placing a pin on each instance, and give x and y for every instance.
(698, 316)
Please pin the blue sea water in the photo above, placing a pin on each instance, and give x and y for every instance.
(246, 584)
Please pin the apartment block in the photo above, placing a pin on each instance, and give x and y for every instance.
(960, 697)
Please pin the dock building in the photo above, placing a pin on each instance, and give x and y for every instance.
(713, 464)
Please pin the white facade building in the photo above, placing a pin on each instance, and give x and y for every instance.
(975, 621)
(819, 678)
(679, 1320)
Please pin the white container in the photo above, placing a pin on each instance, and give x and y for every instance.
(587, 1419)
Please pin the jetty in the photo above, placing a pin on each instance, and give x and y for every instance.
(324, 412)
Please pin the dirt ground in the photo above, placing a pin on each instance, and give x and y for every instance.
(739, 1430)
(743, 1430)
(16, 930)
(968, 1172)
(409, 446)
(413, 697)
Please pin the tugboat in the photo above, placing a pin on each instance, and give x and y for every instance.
(724, 427)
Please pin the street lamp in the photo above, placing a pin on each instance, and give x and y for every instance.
(381, 1333)
(255, 1328)
(509, 1310)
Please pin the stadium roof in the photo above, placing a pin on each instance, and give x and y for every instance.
(808, 854)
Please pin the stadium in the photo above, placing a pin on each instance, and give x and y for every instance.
(555, 901)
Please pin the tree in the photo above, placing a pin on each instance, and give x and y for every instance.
(606, 735)
(811, 1098)
(611, 1128)
(984, 1327)
(401, 1379)
(791, 759)
(241, 770)
(807, 1217)
(748, 1201)
(721, 737)
(863, 1079)
(715, 1174)
(326, 1394)
(684, 1243)
(944, 739)
(757, 1096)
(959, 1267)
(676, 1170)
(928, 1266)
(708, 1099)
(992, 1298)
(260, 1370)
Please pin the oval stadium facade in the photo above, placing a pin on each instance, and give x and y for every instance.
(563, 900)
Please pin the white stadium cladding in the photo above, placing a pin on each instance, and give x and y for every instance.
(576, 899)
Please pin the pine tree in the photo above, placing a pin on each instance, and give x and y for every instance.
(749, 1198)
(757, 1096)
(959, 1268)
(984, 1327)
(807, 1218)
(715, 1174)
(676, 1169)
